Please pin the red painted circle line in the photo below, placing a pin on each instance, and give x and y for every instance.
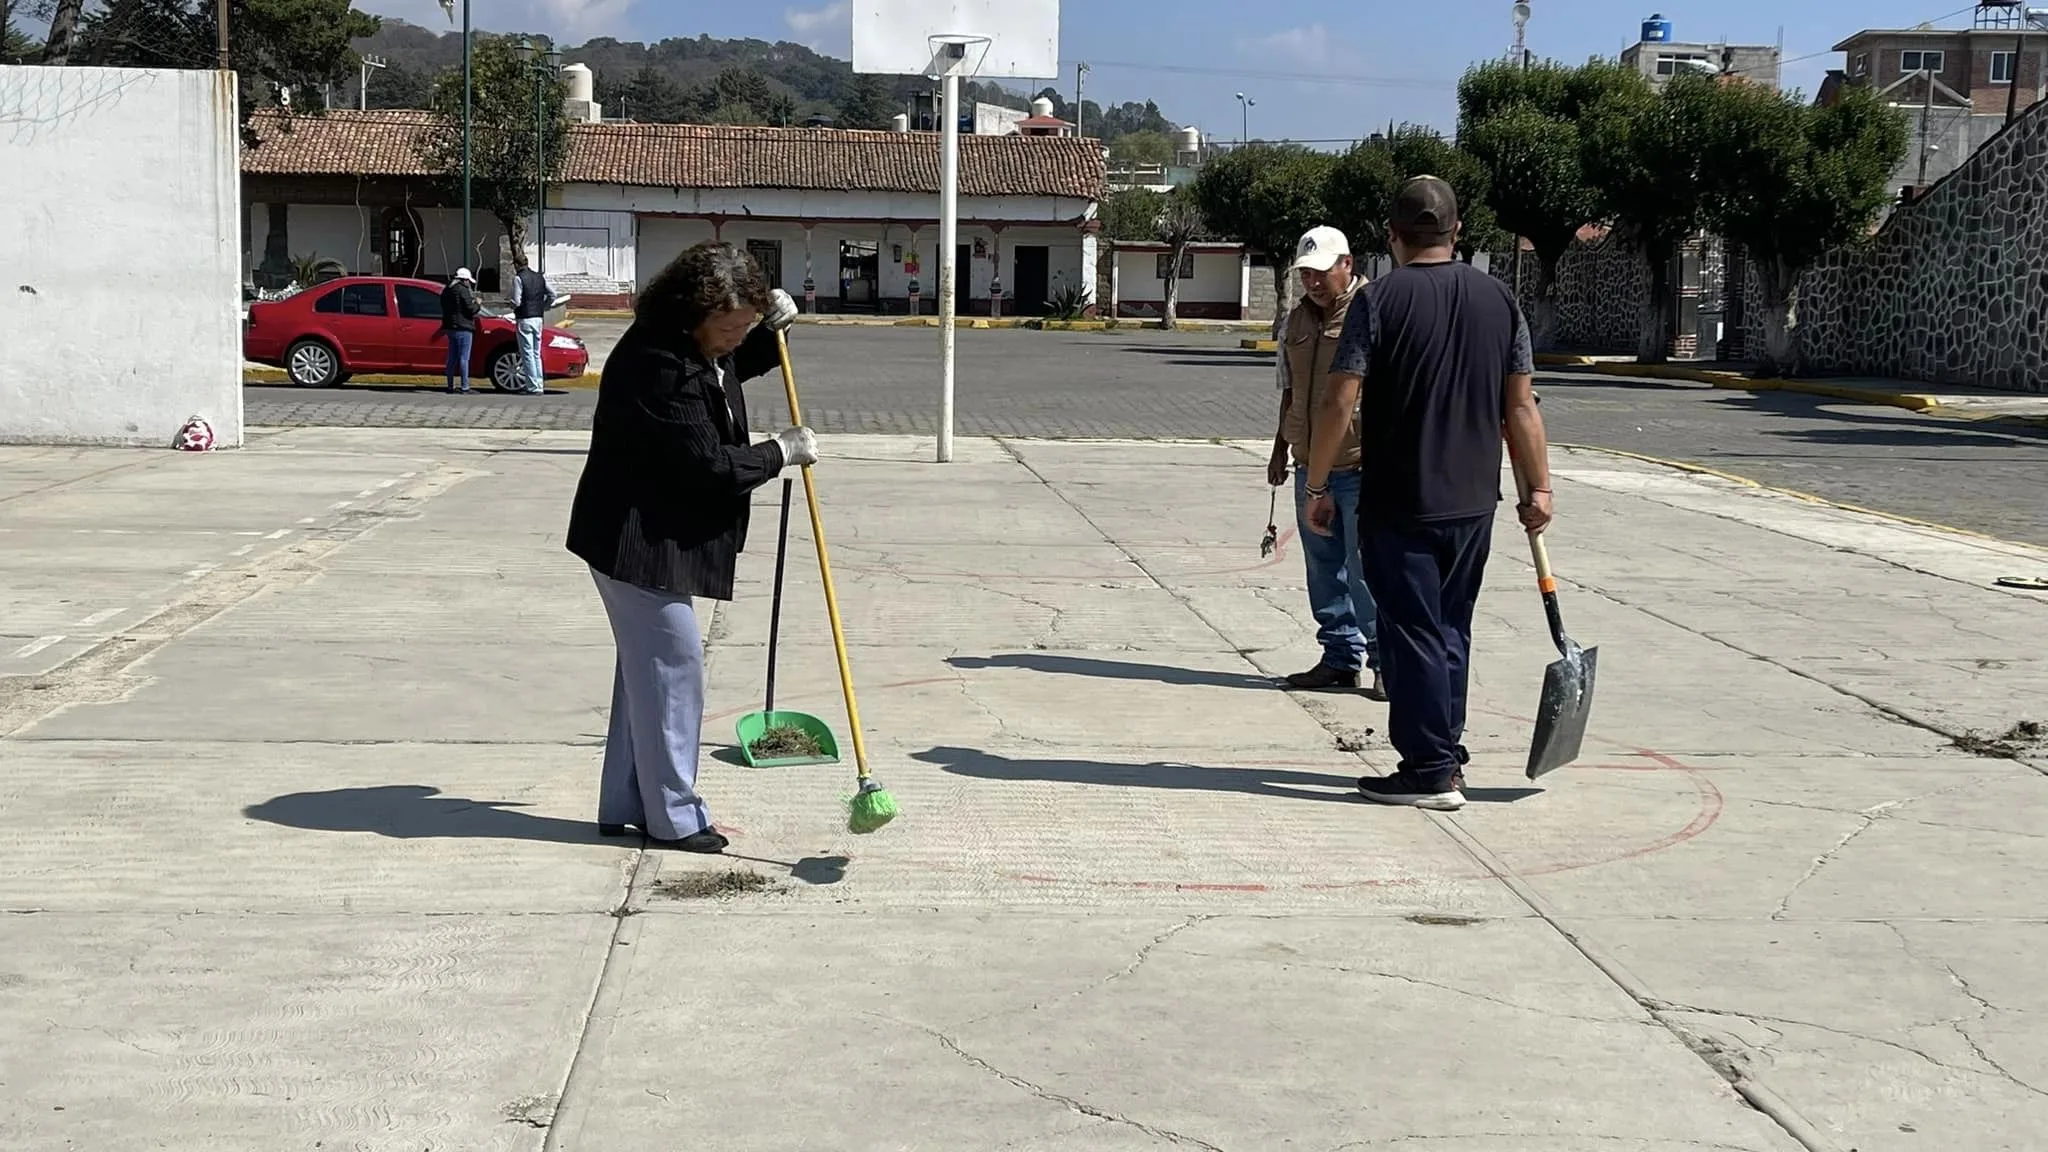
(1710, 804)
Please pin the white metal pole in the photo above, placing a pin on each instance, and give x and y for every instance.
(949, 236)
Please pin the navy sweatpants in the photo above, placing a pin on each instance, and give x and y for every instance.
(1425, 579)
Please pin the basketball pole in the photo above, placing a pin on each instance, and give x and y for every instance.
(949, 237)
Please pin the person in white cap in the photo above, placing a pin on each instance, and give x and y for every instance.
(1346, 623)
(460, 306)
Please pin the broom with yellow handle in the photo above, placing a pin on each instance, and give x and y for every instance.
(872, 806)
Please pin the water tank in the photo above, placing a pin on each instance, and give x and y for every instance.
(582, 86)
(1191, 140)
(900, 122)
(1656, 30)
(1041, 107)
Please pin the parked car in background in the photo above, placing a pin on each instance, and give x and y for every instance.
(362, 324)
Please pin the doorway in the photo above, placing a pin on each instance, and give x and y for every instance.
(401, 243)
(860, 271)
(1034, 279)
(963, 278)
(768, 255)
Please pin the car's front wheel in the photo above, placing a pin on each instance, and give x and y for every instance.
(312, 364)
(508, 371)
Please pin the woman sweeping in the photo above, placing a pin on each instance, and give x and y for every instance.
(661, 515)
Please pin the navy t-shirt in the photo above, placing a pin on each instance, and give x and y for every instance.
(1434, 344)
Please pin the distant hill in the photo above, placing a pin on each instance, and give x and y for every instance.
(711, 81)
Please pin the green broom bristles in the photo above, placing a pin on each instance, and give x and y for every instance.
(871, 808)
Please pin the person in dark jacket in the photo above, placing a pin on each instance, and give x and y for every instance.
(661, 515)
(460, 306)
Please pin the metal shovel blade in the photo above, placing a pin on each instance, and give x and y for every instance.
(1562, 713)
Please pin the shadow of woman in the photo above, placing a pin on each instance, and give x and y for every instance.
(416, 811)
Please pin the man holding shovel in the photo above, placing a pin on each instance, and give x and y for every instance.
(1435, 357)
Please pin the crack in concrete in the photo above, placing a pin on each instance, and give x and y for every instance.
(1080, 1107)
(1144, 953)
(1984, 1009)
(1396, 1141)
(1419, 982)
(1870, 817)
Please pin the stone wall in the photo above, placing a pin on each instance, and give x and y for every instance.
(1601, 285)
(1952, 288)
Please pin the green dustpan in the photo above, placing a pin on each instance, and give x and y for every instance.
(754, 725)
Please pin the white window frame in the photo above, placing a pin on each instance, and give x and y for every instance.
(1668, 63)
(2011, 62)
(1939, 64)
(1859, 65)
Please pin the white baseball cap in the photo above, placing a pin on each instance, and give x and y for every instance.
(463, 274)
(1320, 248)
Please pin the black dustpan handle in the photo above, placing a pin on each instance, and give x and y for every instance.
(775, 609)
(1547, 584)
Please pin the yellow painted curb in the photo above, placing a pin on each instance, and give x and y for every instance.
(599, 314)
(1746, 482)
(1069, 325)
(1259, 345)
(1562, 360)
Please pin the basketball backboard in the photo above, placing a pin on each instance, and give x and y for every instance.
(902, 37)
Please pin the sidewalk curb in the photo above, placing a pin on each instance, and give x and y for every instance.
(1259, 345)
(271, 376)
(1926, 404)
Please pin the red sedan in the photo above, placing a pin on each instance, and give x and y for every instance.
(360, 324)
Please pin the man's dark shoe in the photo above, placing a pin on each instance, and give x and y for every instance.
(1321, 678)
(611, 829)
(1401, 788)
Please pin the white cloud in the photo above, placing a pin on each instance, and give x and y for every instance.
(828, 29)
(1306, 45)
(570, 20)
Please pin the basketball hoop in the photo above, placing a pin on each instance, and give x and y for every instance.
(950, 53)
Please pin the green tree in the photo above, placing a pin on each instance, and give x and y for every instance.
(505, 168)
(1141, 148)
(1523, 125)
(1362, 183)
(1266, 196)
(868, 103)
(1132, 214)
(276, 47)
(652, 97)
(1788, 182)
(1179, 225)
(1642, 154)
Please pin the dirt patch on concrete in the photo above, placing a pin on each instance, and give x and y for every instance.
(2022, 739)
(720, 885)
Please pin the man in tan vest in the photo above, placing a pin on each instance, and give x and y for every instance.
(1346, 619)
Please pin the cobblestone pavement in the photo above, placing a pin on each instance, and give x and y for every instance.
(1987, 478)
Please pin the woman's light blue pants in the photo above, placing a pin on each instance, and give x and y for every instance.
(650, 750)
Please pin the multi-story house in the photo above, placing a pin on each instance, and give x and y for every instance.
(1956, 84)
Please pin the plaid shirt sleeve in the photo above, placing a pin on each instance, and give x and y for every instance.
(1354, 346)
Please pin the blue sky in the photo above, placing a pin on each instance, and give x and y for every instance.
(1318, 70)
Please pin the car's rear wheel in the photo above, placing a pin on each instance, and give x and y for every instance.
(508, 374)
(312, 364)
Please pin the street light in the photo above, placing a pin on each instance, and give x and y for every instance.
(1244, 110)
(468, 125)
(545, 64)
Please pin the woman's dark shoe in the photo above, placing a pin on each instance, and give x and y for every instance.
(1323, 677)
(611, 830)
(710, 842)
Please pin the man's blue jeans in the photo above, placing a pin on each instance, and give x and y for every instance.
(459, 343)
(530, 332)
(1346, 619)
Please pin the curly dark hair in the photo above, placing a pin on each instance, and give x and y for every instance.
(704, 280)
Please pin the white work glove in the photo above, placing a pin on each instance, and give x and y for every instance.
(799, 446)
(781, 311)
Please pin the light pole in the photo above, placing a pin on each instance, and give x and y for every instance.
(545, 65)
(363, 86)
(1521, 12)
(468, 125)
(1244, 118)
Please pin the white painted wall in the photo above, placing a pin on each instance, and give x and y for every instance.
(121, 312)
(350, 234)
(1219, 277)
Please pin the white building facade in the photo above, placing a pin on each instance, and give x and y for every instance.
(844, 221)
